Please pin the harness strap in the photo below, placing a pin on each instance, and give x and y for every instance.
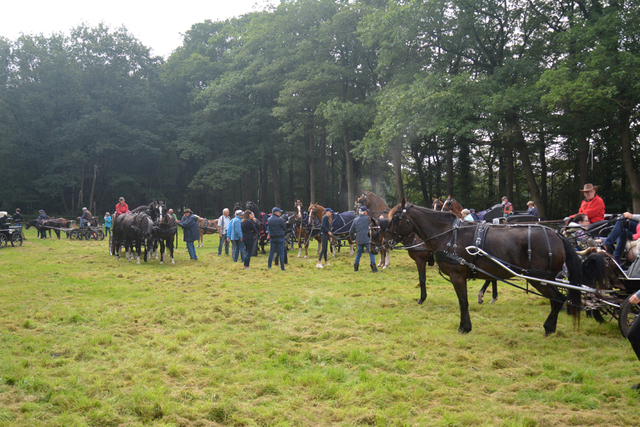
(548, 248)
(529, 247)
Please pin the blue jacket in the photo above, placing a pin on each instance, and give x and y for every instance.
(234, 232)
(277, 227)
(360, 229)
(190, 226)
(107, 221)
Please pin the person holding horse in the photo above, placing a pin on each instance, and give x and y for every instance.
(223, 225)
(234, 235)
(107, 223)
(249, 235)
(191, 233)
(325, 233)
(42, 232)
(507, 207)
(276, 230)
(360, 231)
(592, 205)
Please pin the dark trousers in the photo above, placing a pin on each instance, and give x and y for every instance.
(277, 247)
(249, 244)
(223, 241)
(324, 244)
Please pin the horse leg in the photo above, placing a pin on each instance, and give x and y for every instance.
(482, 291)
(556, 299)
(57, 233)
(170, 244)
(421, 263)
(161, 251)
(460, 285)
(494, 288)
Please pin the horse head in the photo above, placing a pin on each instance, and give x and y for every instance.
(362, 200)
(299, 210)
(436, 203)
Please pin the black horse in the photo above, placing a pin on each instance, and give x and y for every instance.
(133, 231)
(532, 250)
(54, 224)
(164, 233)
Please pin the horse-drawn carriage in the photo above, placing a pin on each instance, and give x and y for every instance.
(536, 253)
(88, 232)
(9, 233)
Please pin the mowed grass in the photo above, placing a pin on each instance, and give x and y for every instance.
(88, 341)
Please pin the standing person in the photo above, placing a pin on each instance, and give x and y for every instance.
(107, 223)
(276, 230)
(223, 225)
(234, 235)
(249, 234)
(17, 219)
(592, 205)
(507, 206)
(325, 234)
(360, 231)
(634, 332)
(191, 233)
(42, 232)
(531, 209)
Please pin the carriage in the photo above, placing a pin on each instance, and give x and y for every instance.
(90, 232)
(598, 284)
(9, 233)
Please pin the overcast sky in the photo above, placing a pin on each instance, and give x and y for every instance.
(156, 24)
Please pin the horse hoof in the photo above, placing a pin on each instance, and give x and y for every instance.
(161, 262)
(480, 299)
(420, 301)
(173, 262)
(493, 300)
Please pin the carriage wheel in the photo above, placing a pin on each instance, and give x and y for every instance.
(628, 313)
(3, 240)
(16, 239)
(100, 234)
(73, 234)
(91, 235)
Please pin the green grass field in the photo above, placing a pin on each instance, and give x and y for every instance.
(88, 341)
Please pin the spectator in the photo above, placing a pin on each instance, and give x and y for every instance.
(41, 219)
(223, 225)
(276, 230)
(360, 232)
(326, 235)
(249, 234)
(191, 233)
(234, 235)
(17, 219)
(107, 223)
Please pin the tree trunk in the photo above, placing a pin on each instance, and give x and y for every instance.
(449, 166)
(627, 159)
(322, 166)
(275, 176)
(543, 172)
(419, 159)
(396, 155)
(351, 181)
(312, 168)
(93, 186)
(521, 146)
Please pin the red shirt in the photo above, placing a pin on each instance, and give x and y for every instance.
(121, 208)
(594, 209)
(508, 208)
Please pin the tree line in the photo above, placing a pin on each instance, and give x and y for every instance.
(322, 99)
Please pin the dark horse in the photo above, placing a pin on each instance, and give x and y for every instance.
(134, 231)
(304, 229)
(54, 224)
(164, 233)
(340, 224)
(532, 250)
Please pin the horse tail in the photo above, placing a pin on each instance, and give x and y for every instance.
(574, 267)
(594, 271)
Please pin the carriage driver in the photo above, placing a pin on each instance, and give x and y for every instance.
(121, 207)
(85, 218)
(360, 230)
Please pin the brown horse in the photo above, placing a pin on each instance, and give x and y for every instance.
(54, 224)
(206, 226)
(451, 205)
(532, 251)
(377, 209)
(304, 229)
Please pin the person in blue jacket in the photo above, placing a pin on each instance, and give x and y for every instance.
(234, 235)
(190, 230)
(41, 219)
(107, 223)
(360, 232)
(276, 230)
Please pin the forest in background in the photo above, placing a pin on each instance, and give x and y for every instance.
(323, 99)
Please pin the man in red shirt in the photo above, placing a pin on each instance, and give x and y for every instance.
(593, 205)
(121, 207)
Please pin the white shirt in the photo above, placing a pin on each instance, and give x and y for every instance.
(223, 223)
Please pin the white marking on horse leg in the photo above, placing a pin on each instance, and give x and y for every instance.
(172, 261)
